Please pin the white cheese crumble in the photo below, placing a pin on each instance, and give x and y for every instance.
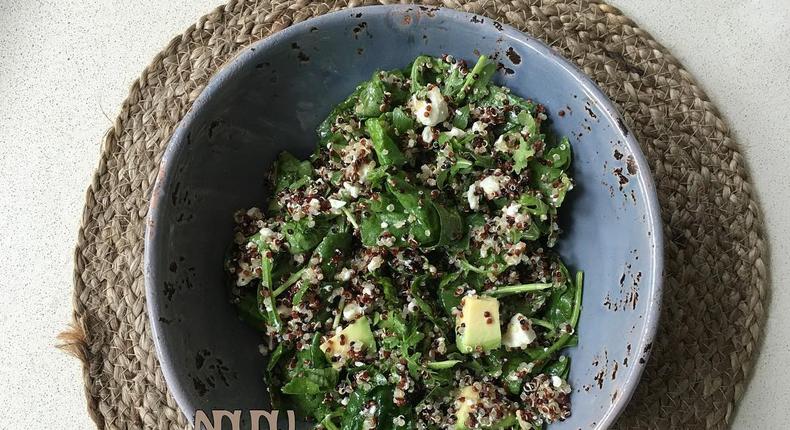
(491, 186)
(375, 263)
(351, 189)
(344, 275)
(352, 311)
(427, 134)
(472, 198)
(456, 132)
(519, 332)
(432, 111)
(511, 210)
(336, 204)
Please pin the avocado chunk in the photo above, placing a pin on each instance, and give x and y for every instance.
(477, 326)
(468, 401)
(464, 403)
(355, 338)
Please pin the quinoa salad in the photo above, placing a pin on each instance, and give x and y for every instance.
(403, 277)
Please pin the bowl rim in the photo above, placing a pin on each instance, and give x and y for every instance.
(151, 269)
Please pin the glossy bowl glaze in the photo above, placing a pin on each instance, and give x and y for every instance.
(271, 97)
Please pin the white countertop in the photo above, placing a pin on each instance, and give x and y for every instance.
(65, 68)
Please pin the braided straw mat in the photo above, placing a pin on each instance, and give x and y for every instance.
(716, 274)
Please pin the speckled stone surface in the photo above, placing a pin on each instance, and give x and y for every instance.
(65, 68)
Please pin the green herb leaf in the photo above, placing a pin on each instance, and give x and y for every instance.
(517, 289)
(311, 381)
(438, 365)
(371, 97)
(387, 152)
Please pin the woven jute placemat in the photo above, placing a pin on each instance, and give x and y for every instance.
(716, 274)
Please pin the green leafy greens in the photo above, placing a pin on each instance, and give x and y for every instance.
(403, 275)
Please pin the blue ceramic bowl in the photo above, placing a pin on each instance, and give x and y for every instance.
(271, 97)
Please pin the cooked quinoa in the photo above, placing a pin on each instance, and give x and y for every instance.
(403, 276)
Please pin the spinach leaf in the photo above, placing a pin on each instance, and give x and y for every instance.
(560, 155)
(461, 117)
(551, 182)
(390, 294)
(371, 97)
(266, 305)
(522, 155)
(387, 152)
(385, 411)
(249, 311)
(447, 297)
(425, 70)
(395, 83)
(336, 243)
(425, 228)
(526, 120)
(385, 214)
(451, 225)
(303, 237)
(476, 82)
(311, 381)
(560, 307)
(324, 129)
(401, 121)
(533, 205)
(288, 170)
(560, 367)
(453, 83)
(274, 357)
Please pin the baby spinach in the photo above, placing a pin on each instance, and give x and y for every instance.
(371, 97)
(429, 207)
(387, 151)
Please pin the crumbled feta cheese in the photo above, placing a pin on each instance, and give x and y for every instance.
(315, 206)
(511, 210)
(456, 132)
(519, 332)
(491, 186)
(351, 189)
(352, 311)
(472, 197)
(344, 275)
(266, 233)
(432, 111)
(427, 134)
(336, 204)
(375, 263)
